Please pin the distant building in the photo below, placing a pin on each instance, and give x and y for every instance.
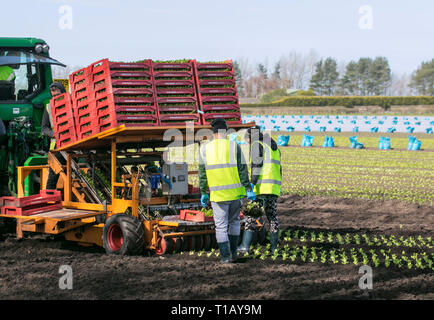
(292, 92)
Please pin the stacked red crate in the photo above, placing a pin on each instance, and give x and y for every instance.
(108, 94)
(176, 92)
(46, 200)
(217, 90)
(63, 119)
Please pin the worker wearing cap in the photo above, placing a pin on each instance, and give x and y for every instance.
(56, 88)
(266, 176)
(222, 168)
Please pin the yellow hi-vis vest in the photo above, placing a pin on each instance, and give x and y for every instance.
(53, 141)
(269, 180)
(220, 159)
(7, 73)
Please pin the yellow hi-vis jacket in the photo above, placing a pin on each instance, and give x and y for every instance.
(7, 73)
(270, 179)
(53, 141)
(220, 159)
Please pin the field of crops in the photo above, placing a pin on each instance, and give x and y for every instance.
(370, 173)
(366, 174)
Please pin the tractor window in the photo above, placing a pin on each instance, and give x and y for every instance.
(27, 80)
(21, 80)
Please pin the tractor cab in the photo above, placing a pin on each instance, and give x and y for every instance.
(21, 74)
(25, 78)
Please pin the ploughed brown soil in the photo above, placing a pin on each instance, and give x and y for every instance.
(29, 269)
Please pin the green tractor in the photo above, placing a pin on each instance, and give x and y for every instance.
(25, 78)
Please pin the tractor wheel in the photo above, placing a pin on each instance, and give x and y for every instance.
(207, 242)
(124, 235)
(177, 244)
(164, 246)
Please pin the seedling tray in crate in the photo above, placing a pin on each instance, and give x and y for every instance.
(231, 118)
(226, 65)
(103, 76)
(221, 108)
(179, 119)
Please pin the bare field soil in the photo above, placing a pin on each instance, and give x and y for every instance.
(29, 269)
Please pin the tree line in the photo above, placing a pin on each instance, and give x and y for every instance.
(327, 77)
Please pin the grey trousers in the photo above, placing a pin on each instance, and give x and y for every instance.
(226, 219)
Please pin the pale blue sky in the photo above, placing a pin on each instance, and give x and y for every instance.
(403, 31)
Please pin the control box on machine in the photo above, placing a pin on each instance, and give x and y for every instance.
(177, 173)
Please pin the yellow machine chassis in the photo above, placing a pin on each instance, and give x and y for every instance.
(77, 220)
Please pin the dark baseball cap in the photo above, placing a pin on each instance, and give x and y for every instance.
(219, 124)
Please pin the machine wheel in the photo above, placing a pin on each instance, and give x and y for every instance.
(207, 242)
(124, 235)
(199, 242)
(177, 244)
(184, 243)
(164, 246)
(214, 244)
(191, 243)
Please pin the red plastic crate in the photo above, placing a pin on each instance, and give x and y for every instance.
(221, 108)
(44, 196)
(61, 111)
(214, 99)
(65, 137)
(205, 91)
(215, 74)
(46, 200)
(208, 118)
(226, 65)
(169, 65)
(173, 83)
(176, 91)
(179, 119)
(63, 119)
(177, 109)
(31, 210)
(194, 216)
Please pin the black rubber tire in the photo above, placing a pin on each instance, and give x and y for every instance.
(191, 243)
(207, 242)
(214, 244)
(177, 244)
(184, 243)
(133, 234)
(198, 243)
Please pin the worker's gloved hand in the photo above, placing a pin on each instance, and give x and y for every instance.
(251, 195)
(252, 186)
(204, 200)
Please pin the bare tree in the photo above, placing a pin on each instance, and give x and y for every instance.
(399, 85)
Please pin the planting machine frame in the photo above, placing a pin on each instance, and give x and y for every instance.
(121, 224)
